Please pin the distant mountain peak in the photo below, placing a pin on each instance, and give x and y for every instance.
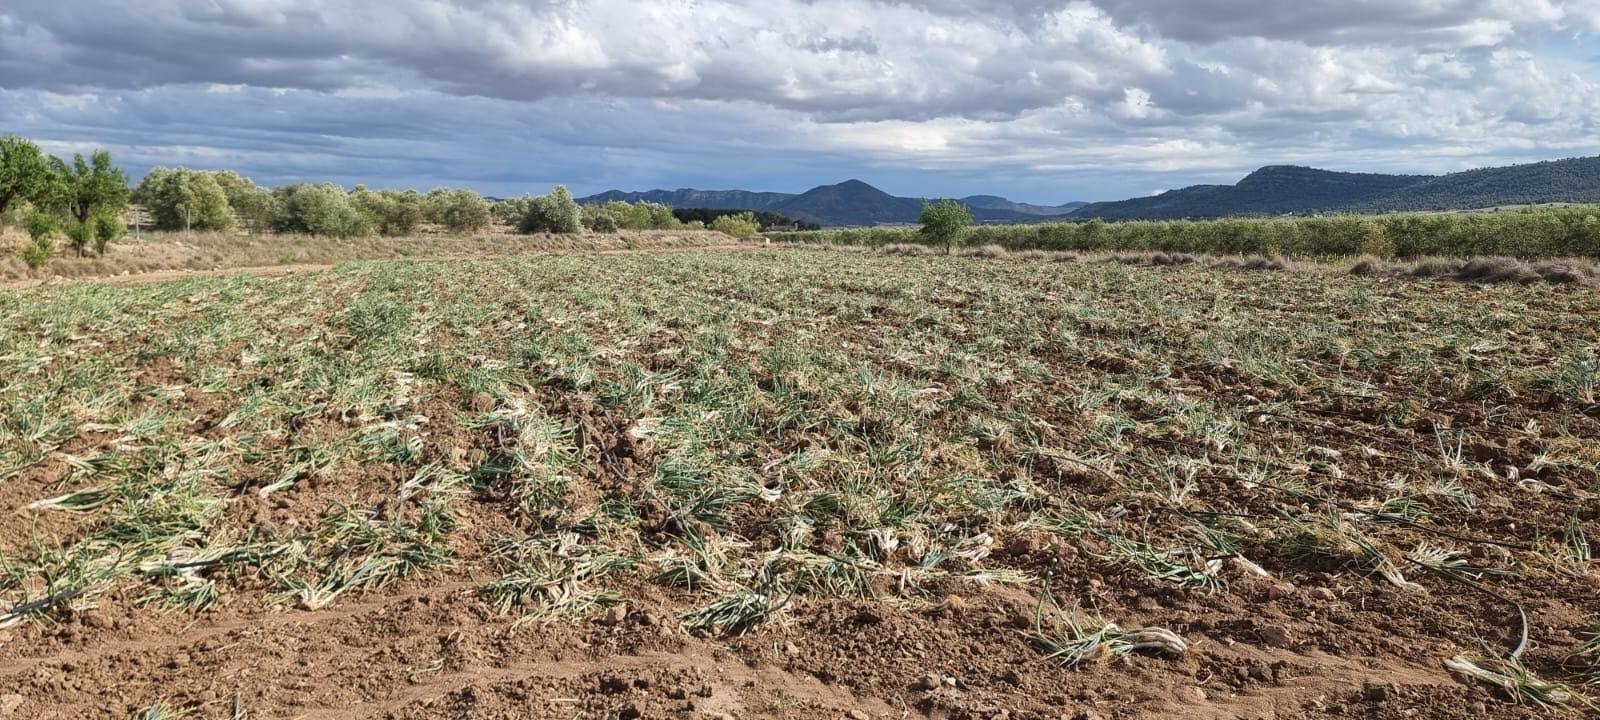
(1294, 189)
(851, 202)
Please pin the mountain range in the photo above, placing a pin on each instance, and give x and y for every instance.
(1272, 190)
(851, 202)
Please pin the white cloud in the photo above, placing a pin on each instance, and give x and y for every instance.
(1105, 93)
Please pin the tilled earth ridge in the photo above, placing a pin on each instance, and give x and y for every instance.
(919, 466)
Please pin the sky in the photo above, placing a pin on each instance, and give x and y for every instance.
(1036, 100)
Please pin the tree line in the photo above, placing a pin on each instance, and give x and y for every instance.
(1530, 233)
(83, 199)
(87, 200)
(766, 220)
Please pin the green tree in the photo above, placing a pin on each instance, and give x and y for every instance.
(324, 209)
(600, 219)
(24, 171)
(459, 211)
(742, 225)
(510, 211)
(252, 204)
(180, 198)
(944, 222)
(395, 213)
(89, 187)
(553, 213)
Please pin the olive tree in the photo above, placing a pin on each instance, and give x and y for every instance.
(553, 213)
(395, 213)
(459, 211)
(183, 199)
(324, 209)
(252, 204)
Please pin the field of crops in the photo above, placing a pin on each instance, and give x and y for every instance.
(1571, 231)
(798, 484)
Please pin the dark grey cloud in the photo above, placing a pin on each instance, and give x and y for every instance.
(1106, 94)
(1397, 22)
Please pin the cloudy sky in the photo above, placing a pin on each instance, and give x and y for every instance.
(1037, 100)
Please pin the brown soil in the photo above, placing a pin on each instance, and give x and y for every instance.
(1305, 644)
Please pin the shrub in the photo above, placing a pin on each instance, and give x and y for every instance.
(80, 235)
(41, 232)
(510, 212)
(742, 225)
(41, 226)
(992, 252)
(1496, 270)
(107, 228)
(35, 255)
(643, 215)
(1368, 265)
(460, 211)
(324, 209)
(599, 220)
(553, 213)
(945, 222)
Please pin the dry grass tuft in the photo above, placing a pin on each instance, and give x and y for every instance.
(1369, 265)
(1504, 270)
(991, 252)
(906, 249)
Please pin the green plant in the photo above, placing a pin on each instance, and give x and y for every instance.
(24, 171)
(89, 187)
(743, 225)
(944, 222)
(553, 213)
(184, 199)
(600, 220)
(251, 204)
(41, 226)
(35, 255)
(80, 235)
(319, 210)
(107, 229)
(459, 211)
(394, 213)
(41, 242)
